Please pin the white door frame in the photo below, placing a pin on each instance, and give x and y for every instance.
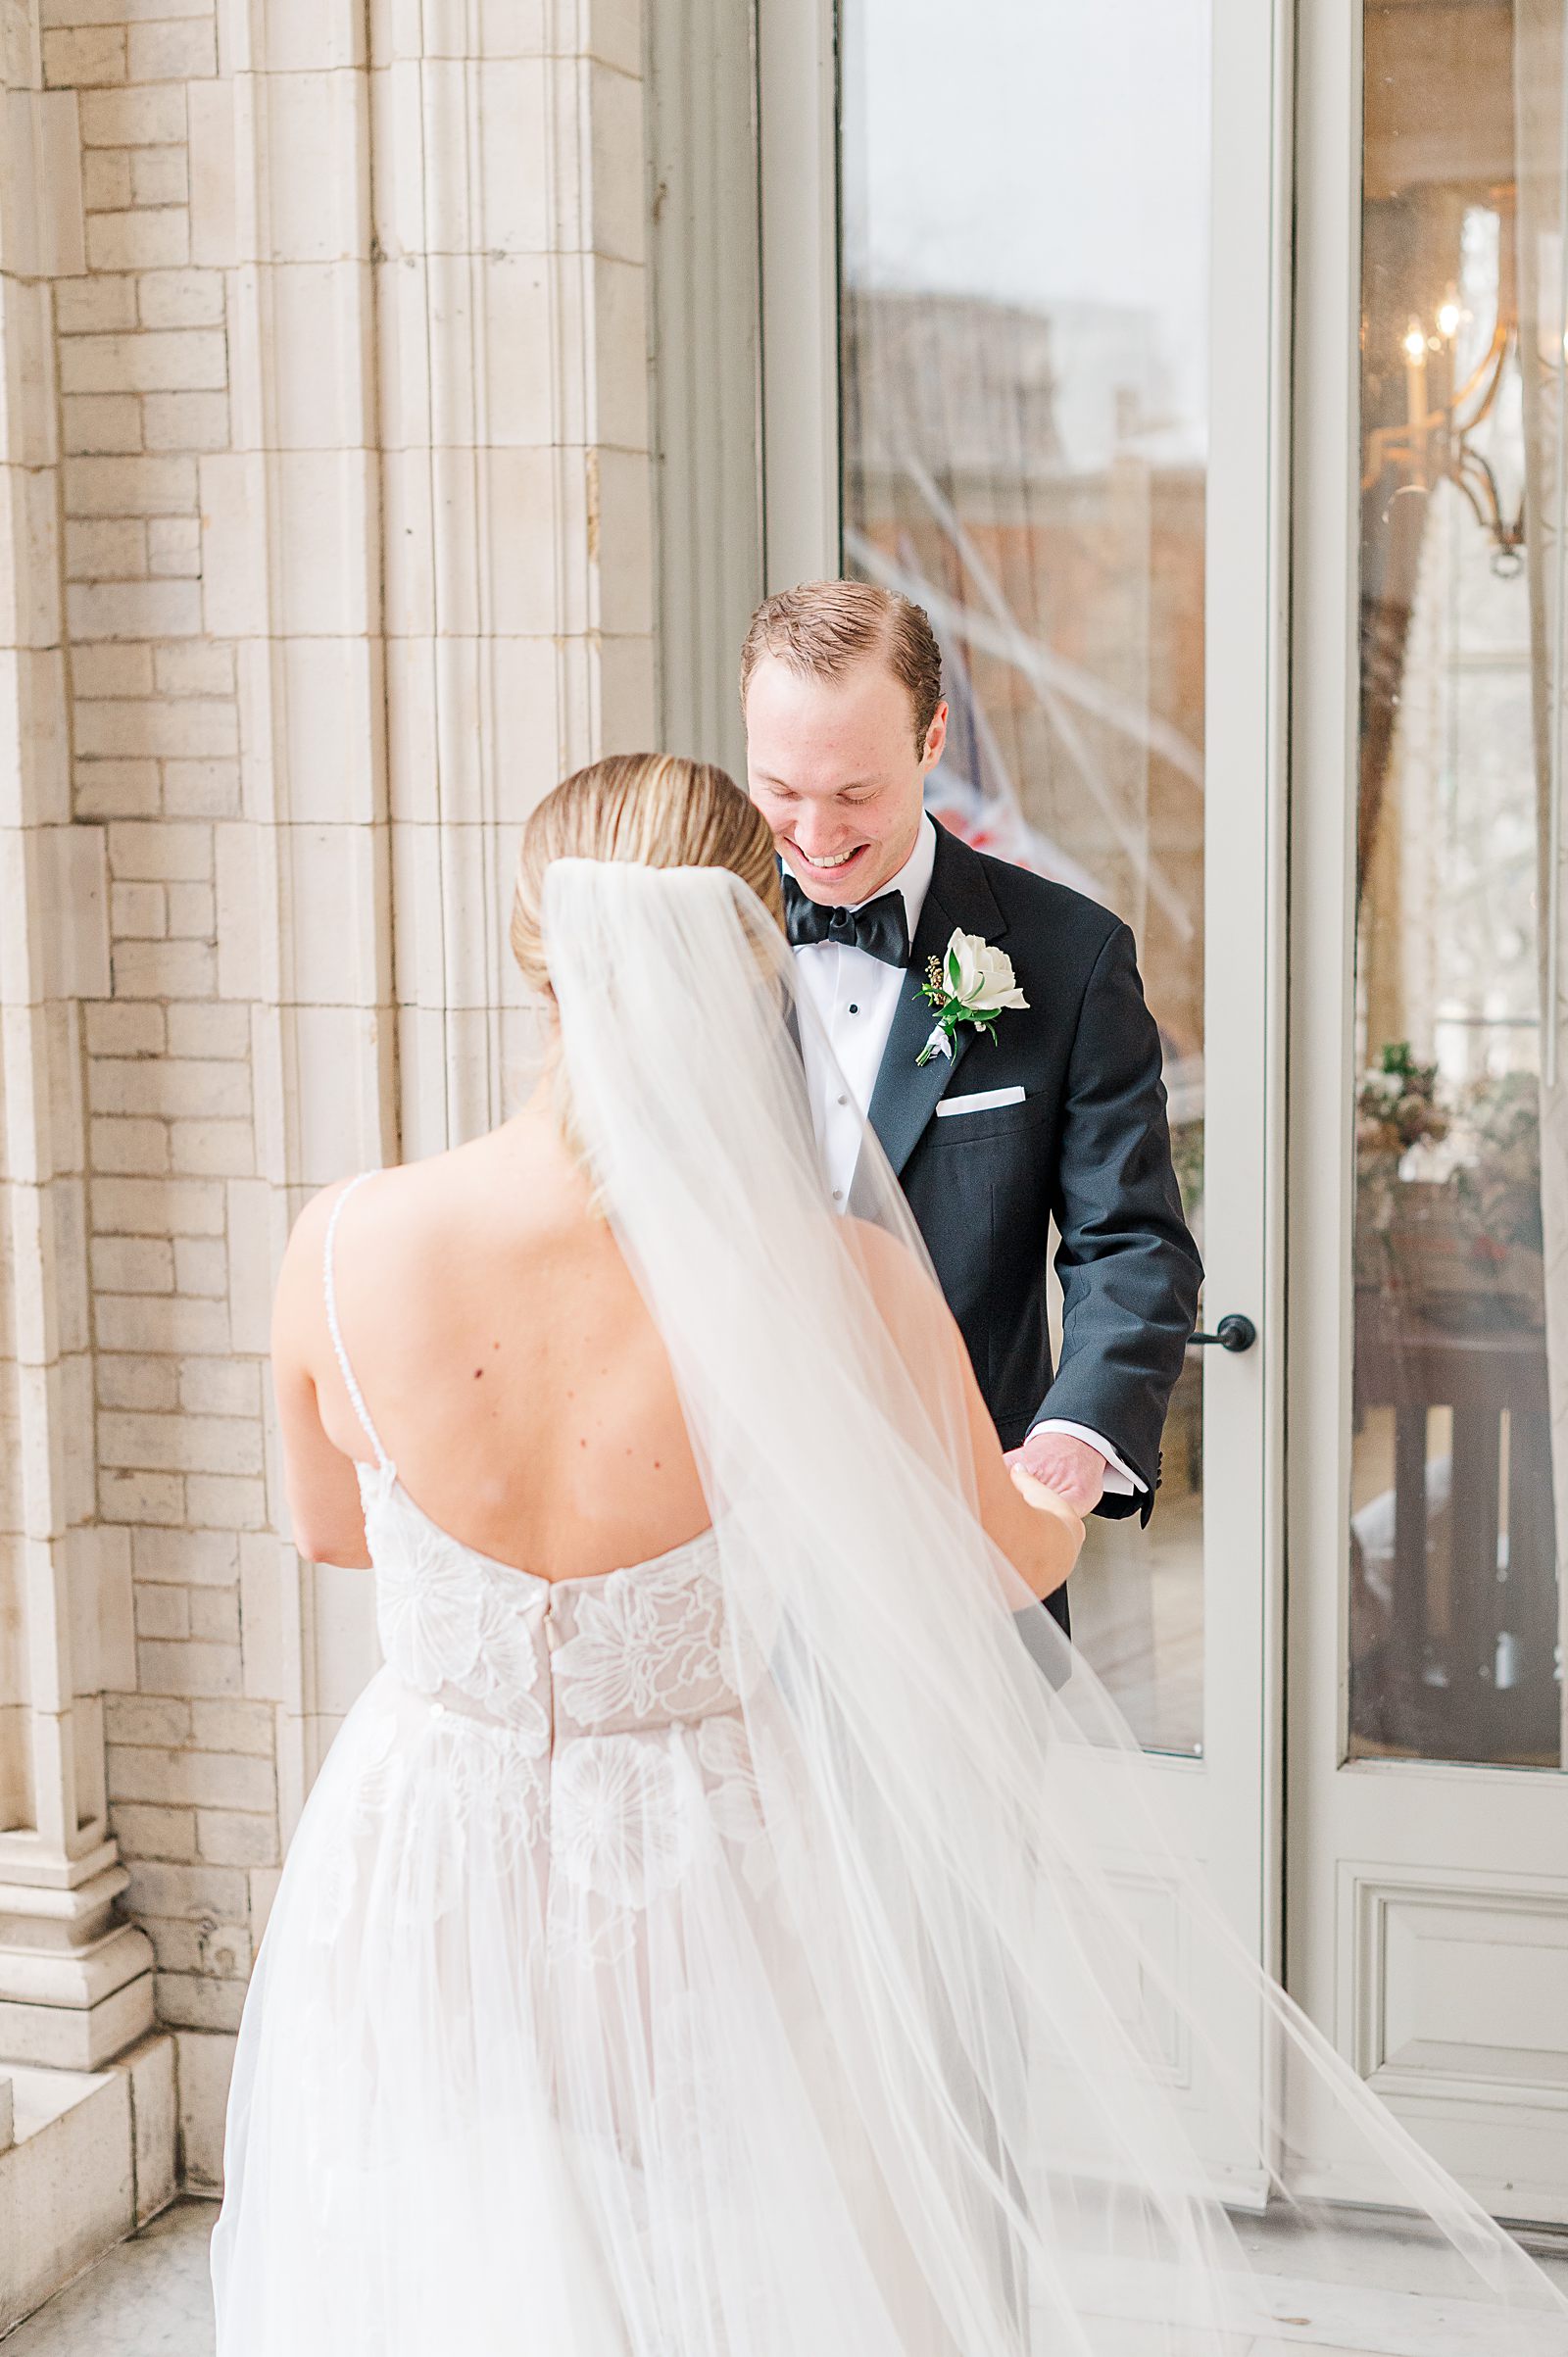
(1385, 1856)
(1230, 1802)
(797, 130)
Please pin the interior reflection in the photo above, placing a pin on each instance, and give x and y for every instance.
(1461, 1345)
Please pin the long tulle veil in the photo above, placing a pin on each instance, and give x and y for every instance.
(1027, 1998)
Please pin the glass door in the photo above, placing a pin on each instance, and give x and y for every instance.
(1025, 429)
(1020, 322)
(1429, 1809)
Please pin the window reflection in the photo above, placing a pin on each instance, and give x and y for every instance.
(1024, 353)
(1460, 1349)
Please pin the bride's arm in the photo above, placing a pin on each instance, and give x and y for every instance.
(322, 1489)
(1036, 1530)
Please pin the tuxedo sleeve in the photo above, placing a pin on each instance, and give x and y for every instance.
(1129, 1268)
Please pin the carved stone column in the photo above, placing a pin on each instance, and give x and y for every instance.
(292, 578)
(431, 545)
(507, 185)
(75, 1983)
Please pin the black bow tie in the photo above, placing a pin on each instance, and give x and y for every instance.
(881, 927)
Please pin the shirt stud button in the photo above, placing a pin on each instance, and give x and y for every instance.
(855, 1010)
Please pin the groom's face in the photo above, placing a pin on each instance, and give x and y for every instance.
(836, 769)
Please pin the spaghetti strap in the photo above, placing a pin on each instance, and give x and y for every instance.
(329, 1291)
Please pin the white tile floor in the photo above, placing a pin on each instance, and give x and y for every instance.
(150, 2298)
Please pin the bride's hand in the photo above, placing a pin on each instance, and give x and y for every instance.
(1045, 1500)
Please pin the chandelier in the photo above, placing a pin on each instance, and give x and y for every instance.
(1437, 440)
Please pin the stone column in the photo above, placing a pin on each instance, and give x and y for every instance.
(507, 183)
(430, 542)
(355, 399)
(75, 1983)
(291, 573)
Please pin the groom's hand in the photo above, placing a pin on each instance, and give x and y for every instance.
(1063, 1463)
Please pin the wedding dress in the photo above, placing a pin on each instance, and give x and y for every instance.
(753, 1952)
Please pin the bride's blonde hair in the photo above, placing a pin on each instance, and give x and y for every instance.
(656, 808)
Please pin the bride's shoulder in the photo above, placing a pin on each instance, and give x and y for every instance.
(386, 1195)
(422, 1209)
(315, 1215)
(380, 1227)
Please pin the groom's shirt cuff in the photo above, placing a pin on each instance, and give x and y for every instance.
(1120, 1479)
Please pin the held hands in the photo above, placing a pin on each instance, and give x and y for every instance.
(1059, 1462)
(1054, 1508)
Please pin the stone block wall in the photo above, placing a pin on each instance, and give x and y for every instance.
(340, 370)
(143, 367)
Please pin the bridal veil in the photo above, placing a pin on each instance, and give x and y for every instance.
(1049, 2077)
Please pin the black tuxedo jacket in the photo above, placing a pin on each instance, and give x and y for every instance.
(1088, 1145)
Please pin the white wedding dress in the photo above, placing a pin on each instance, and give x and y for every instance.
(730, 1955)
(526, 1927)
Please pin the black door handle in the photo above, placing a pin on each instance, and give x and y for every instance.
(1233, 1333)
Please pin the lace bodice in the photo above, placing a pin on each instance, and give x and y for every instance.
(614, 1654)
(610, 1656)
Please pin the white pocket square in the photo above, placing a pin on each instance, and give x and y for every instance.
(982, 1102)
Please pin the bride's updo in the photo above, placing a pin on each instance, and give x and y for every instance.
(656, 808)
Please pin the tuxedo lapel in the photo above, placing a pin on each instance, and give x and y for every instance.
(906, 1091)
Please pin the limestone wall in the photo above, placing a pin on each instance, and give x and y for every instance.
(326, 471)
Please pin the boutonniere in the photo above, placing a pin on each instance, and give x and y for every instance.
(972, 983)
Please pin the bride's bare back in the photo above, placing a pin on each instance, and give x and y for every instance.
(507, 1361)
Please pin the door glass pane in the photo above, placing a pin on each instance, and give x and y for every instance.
(1461, 1349)
(1025, 429)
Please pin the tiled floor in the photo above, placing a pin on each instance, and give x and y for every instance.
(150, 2298)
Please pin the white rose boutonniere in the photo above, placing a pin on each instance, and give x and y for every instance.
(972, 983)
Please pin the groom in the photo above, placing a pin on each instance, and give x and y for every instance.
(1061, 1115)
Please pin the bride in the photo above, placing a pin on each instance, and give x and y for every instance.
(710, 1935)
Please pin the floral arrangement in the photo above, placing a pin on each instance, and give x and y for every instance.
(1396, 1105)
(1459, 1233)
(1502, 1186)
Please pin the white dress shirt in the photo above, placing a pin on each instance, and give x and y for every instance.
(854, 997)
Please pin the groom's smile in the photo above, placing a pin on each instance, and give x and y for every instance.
(838, 771)
(831, 869)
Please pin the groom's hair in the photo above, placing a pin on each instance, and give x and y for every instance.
(822, 628)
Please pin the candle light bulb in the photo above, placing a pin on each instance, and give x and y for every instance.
(1415, 341)
(1448, 317)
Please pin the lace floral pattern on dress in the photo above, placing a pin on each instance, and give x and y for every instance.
(587, 1734)
(450, 1618)
(646, 1646)
(620, 1826)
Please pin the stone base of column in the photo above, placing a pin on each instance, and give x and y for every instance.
(94, 2158)
(76, 1987)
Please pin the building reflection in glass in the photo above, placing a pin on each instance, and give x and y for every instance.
(1024, 362)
